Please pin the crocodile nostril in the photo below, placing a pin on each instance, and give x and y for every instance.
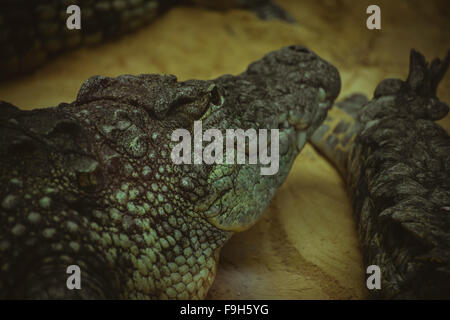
(300, 49)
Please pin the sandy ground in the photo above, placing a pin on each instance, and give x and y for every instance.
(305, 246)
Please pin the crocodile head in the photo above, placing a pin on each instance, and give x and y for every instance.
(289, 90)
(94, 183)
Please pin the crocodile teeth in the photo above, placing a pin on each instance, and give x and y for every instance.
(282, 118)
(301, 140)
(321, 95)
(324, 105)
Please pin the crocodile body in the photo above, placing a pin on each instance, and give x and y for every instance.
(32, 31)
(395, 161)
(91, 183)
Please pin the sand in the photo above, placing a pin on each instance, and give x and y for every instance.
(305, 246)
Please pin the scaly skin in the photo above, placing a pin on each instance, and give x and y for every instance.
(92, 183)
(396, 163)
(31, 31)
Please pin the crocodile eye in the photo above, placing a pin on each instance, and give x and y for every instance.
(181, 102)
(189, 108)
(192, 103)
(215, 96)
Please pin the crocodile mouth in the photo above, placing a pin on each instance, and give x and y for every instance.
(301, 126)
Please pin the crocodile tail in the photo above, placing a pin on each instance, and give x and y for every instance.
(335, 137)
(421, 85)
(34, 31)
(424, 78)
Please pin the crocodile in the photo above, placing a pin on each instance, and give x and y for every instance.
(31, 32)
(91, 183)
(395, 161)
